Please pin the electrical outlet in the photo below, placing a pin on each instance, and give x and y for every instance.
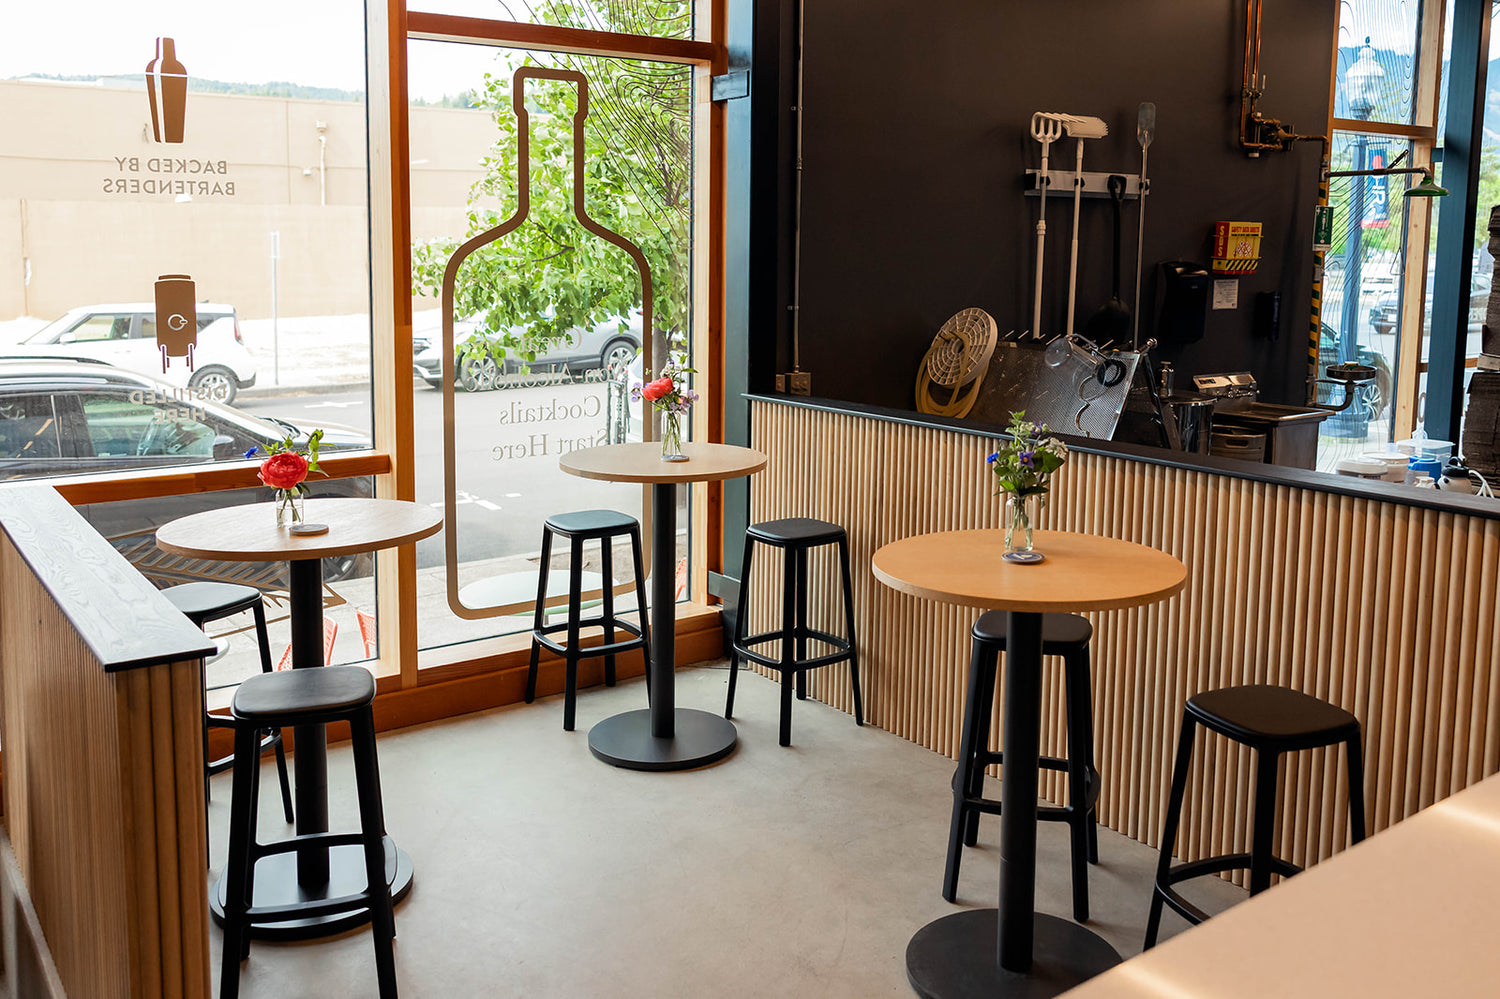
(781, 383)
(800, 382)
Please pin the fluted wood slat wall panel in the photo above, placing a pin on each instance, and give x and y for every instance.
(104, 801)
(1387, 610)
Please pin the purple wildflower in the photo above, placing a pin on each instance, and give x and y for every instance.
(1027, 459)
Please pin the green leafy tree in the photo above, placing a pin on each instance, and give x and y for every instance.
(1489, 192)
(531, 287)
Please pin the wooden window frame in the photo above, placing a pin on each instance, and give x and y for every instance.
(1423, 135)
(391, 308)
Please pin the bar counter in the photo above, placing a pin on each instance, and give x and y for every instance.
(1374, 596)
(103, 756)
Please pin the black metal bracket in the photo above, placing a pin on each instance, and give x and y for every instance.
(729, 86)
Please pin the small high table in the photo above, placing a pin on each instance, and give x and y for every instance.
(249, 534)
(1014, 951)
(663, 736)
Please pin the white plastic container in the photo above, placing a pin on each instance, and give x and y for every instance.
(1394, 463)
(1429, 447)
(1361, 468)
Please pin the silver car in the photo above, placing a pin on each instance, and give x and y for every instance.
(607, 349)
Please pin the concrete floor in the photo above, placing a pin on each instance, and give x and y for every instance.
(542, 872)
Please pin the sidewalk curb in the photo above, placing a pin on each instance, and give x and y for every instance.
(305, 388)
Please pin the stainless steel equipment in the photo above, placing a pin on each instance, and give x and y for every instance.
(1193, 412)
(1291, 432)
(1079, 396)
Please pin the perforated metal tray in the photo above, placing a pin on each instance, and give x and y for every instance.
(1018, 379)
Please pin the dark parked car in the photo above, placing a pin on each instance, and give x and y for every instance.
(76, 417)
(1373, 396)
(1386, 312)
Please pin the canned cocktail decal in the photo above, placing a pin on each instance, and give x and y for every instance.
(176, 318)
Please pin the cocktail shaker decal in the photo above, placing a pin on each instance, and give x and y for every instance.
(166, 85)
(176, 318)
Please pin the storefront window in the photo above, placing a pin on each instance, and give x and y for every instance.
(657, 18)
(184, 224)
(1384, 109)
(550, 327)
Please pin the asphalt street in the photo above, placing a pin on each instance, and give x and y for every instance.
(507, 444)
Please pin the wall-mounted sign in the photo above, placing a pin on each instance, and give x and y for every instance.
(176, 318)
(1323, 228)
(166, 88)
(1377, 194)
(1236, 247)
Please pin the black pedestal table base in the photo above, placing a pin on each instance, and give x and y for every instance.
(698, 739)
(954, 958)
(276, 884)
(663, 737)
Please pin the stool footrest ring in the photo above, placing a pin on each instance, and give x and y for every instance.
(1209, 865)
(1049, 813)
(539, 636)
(312, 909)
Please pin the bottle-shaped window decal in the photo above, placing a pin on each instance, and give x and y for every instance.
(166, 86)
(450, 278)
(176, 318)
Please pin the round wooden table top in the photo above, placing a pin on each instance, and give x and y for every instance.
(249, 533)
(1081, 572)
(642, 463)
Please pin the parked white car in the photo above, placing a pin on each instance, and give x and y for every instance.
(125, 336)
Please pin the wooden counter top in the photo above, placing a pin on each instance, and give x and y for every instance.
(93, 584)
(1411, 911)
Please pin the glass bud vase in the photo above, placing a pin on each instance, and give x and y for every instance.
(1019, 513)
(671, 436)
(288, 507)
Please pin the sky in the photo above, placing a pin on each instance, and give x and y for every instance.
(311, 42)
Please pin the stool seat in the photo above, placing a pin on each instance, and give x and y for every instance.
(795, 536)
(319, 695)
(1271, 721)
(1066, 636)
(579, 526)
(591, 523)
(796, 530)
(200, 601)
(288, 694)
(1060, 632)
(1275, 718)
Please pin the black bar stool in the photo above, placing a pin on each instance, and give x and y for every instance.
(796, 536)
(200, 603)
(1271, 720)
(306, 697)
(588, 525)
(1065, 635)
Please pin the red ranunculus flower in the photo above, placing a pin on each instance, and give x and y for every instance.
(655, 390)
(283, 471)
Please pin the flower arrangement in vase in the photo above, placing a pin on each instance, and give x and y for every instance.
(285, 470)
(1023, 468)
(669, 396)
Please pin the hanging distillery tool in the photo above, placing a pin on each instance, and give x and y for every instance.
(1110, 323)
(1046, 128)
(1145, 131)
(956, 361)
(1079, 127)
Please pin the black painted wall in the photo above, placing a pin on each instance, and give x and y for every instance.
(916, 141)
